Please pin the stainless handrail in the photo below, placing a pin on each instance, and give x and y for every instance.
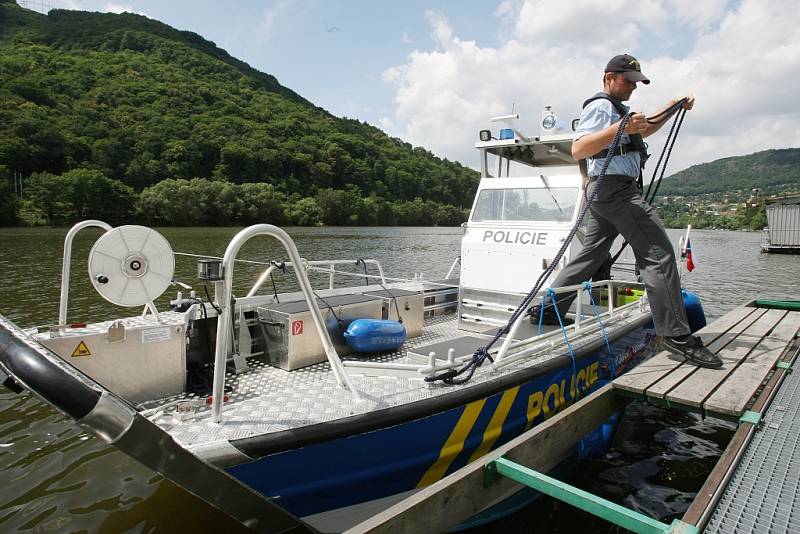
(65, 264)
(223, 328)
(314, 263)
(509, 339)
(453, 267)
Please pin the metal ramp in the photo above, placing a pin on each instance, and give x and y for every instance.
(763, 494)
(749, 340)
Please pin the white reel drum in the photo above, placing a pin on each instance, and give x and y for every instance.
(131, 266)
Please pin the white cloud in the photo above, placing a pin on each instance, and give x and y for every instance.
(269, 17)
(111, 7)
(742, 64)
(696, 14)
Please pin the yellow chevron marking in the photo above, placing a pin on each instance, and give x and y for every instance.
(495, 427)
(454, 444)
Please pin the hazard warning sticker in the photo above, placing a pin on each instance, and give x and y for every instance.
(81, 350)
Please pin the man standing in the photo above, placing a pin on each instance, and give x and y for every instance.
(618, 208)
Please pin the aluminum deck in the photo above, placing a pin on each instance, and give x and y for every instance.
(748, 339)
(267, 399)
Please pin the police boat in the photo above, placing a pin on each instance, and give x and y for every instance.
(292, 412)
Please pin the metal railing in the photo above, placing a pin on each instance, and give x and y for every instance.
(316, 263)
(511, 351)
(453, 267)
(226, 310)
(581, 323)
(65, 264)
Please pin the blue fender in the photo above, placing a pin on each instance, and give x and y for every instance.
(375, 335)
(694, 310)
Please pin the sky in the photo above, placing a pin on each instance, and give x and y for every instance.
(433, 73)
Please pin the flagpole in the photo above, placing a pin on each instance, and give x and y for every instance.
(683, 244)
(686, 239)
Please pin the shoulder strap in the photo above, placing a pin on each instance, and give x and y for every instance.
(618, 105)
(635, 139)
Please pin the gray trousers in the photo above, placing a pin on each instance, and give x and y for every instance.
(617, 209)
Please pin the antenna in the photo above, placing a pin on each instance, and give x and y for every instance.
(508, 120)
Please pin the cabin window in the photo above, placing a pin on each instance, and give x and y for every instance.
(526, 204)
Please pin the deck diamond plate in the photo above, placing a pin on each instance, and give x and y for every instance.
(267, 399)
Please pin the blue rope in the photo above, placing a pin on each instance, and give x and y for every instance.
(541, 313)
(482, 353)
(612, 364)
(552, 295)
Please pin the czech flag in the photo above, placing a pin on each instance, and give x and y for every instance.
(688, 252)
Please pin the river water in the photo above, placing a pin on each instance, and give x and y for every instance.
(58, 478)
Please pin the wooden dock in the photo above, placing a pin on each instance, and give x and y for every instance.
(750, 340)
(758, 344)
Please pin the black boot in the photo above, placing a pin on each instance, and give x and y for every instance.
(550, 318)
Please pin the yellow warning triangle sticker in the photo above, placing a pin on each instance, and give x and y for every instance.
(81, 350)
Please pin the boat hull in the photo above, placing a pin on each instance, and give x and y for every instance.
(338, 482)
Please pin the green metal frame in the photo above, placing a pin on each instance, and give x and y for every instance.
(793, 305)
(605, 509)
(751, 417)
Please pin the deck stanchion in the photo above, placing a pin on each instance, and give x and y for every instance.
(226, 306)
(65, 264)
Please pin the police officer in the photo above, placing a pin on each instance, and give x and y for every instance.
(619, 208)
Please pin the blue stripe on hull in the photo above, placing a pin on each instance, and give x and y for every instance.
(346, 471)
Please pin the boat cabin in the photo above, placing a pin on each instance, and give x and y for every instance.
(527, 202)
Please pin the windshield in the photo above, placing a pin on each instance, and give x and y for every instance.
(526, 204)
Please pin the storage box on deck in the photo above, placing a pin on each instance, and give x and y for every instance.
(410, 304)
(291, 337)
(136, 358)
(624, 296)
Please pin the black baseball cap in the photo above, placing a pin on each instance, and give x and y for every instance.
(629, 66)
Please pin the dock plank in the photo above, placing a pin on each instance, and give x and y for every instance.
(686, 369)
(786, 329)
(639, 379)
(702, 383)
(732, 397)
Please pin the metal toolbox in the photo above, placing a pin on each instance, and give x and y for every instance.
(291, 338)
(136, 358)
(410, 304)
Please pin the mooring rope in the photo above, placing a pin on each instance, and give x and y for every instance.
(666, 151)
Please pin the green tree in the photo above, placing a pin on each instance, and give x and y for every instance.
(48, 194)
(92, 195)
(9, 203)
(261, 203)
(340, 207)
(304, 212)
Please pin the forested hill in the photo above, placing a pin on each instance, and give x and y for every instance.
(771, 171)
(129, 110)
(728, 193)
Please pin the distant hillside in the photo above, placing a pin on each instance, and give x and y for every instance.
(772, 171)
(728, 193)
(121, 103)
